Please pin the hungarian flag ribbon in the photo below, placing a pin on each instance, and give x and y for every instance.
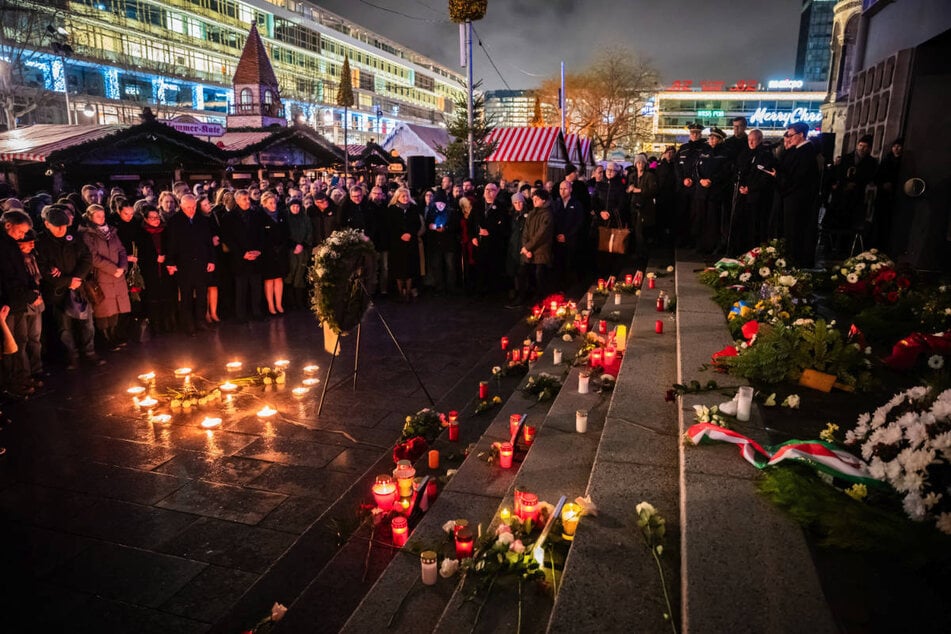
(817, 453)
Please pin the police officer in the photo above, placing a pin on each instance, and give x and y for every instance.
(685, 164)
(712, 172)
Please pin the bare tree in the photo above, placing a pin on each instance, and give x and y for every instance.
(24, 36)
(605, 100)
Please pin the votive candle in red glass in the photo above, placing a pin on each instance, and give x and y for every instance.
(384, 492)
(459, 526)
(659, 326)
(483, 390)
(601, 283)
(505, 343)
(533, 355)
(596, 357)
(517, 501)
(529, 507)
(536, 311)
(433, 458)
(400, 528)
(505, 455)
(514, 421)
(583, 326)
(602, 327)
(554, 306)
(629, 279)
(525, 350)
(453, 431)
(516, 355)
(610, 356)
(464, 544)
(528, 434)
(650, 282)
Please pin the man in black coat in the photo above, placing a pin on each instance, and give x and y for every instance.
(64, 262)
(853, 174)
(568, 215)
(189, 260)
(797, 178)
(666, 196)
(712, 172)
(685, 165)
(755, 204)
(242, 231)
(19, 291)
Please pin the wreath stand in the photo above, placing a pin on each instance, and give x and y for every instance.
(356, 357)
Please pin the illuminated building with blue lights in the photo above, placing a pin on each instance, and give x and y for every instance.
(179, 56)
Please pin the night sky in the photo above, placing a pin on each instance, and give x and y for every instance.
(684, 39)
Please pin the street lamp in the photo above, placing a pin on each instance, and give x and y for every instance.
(59, 41)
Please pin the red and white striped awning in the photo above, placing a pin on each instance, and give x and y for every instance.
(523, 144)
(35, 143)
(584, 150)
(354, 149)
(571, 142)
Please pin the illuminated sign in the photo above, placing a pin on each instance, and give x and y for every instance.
(787, 118)
(784, 84)
(710, 113)
(704, 85)
(196, 129)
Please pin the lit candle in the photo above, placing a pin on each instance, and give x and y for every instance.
(266, 412)
(464, 544)
(505, 455)
(602, 327)
(596, 357)
(528, 434)
(427, 561)
(514, 420)
(300, 392)
(453, 430)
(600, 283)
(554, 306)
(621, 338)
(570, 514)
(581, 421)
(311, 369)
(650, 282)
(583, 379)
(233, 366)
(311, 382)
(629, 279)
(505, 343)
(505, 515)
(227, 387)
(404, 474)
(148, 377)
(556, 356)
(162, 418)
(136, 390)
(660, 302)
(744, 403)
(483, 390)
(400, 528)
(433, 458)
(210, 423)
(659, 326)
(539, 335)
(281, 363)
(148, 401)
(610, 356)
(180, 372)
(529, 507)
(533, 355)
(536, 311)
(617, 299)
(583, 326)
(384, 492)
(516, 355)
(526, 349)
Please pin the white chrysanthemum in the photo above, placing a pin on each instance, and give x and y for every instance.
(781, 263)
(852, 278)
(852, 436)
(914, 506)
(944, 523)
(892, 470)
(931, 499)
(764, 271)
(506, 538)
(860, 266)
(889, 435)
(787, 280)
(876, 469)
(917, 434)
(942, 441)
(936, 362)
(745, 277)
(909, 483)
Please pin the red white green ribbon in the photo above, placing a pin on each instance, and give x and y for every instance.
(817, 453)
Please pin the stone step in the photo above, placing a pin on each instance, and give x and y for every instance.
(745, 566)
(478, 491)
(610, 578)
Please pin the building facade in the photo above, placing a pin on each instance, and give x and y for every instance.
(845, 29)
(178, 56)
(770, 107)
(815, 31)
(515, 108)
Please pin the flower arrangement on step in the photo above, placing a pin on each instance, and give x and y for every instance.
(750, 270)
(419, 431)
(544, 386)
(653, 528)
(487, 404)
(341, 265)
(266, 624)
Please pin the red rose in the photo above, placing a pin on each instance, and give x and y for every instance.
(750, 329)
(892, 297)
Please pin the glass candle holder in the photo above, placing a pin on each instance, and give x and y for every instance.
(433, 458)
(464, 544)
(514, 420)
(556, 356)
(516, 354)
(404, 474)
(529, 507)
(539, 335)
(596, 358)
(453, 431)
(601, 283)
(428, 568)
(659, 326)
(620, 339)
(583, 380)
(629, 279)
(400, 527)
(610, 356)
(581, 421)
(602, 327)
(617, 299)
(650, 282)
(483, 390)
(384, 492)
(505, 455)
(505, 343)
(744, 403)
(528, 434)
(570, 515)
(458, 525)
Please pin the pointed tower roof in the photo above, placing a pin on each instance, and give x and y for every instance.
(254, 67)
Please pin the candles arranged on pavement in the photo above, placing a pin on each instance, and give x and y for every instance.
(311, 369)
(210, 422)
(433, 458)
(400, 528)
(620, 338)
(529, 507)
(583, 380)
(556, 356)
(570, 515)
(581, 421)
(505, 343)
(464, 544)
(744, 403)
(659, 326)
(514, 420)
(233, 366)
(505, 455)
(384, 492)
(429, 569)
(483, 390)
(404, 474)
(528, 434)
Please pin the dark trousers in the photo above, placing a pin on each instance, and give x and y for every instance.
(87, 333)
(248, 291)
(192, 301)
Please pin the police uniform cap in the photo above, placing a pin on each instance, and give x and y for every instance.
(57, 215)
(717, 132)
(695, 126)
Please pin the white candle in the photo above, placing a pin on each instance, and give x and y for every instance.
(556, 356)
(617, 299)
(581, 421)
(744, 403)
(427, 560)
(583, 379)
(539, 335)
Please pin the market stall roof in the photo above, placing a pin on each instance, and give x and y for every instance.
(525, 144)
(35, 143)
(241, 144)
(410, 139)
(235, 141)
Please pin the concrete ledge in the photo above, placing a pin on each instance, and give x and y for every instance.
(745, 567)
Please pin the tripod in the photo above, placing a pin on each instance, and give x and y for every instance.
(356, 357)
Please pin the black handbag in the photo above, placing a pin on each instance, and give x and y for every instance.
(76, 305)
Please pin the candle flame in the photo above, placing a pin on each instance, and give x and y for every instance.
(281, 363)
(300, 391)
(311, 369)
(148, 401)
(310, 382)
(183, 371)
(148, 376)
(161, 418)
(227, 386)
(135, 390)
(233, 365)
(266, 412)
(210, 422)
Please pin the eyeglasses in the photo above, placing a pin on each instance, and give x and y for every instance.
(790, 135)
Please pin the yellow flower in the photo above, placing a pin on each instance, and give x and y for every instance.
(784, 314)
(745, 311)
(496, 399)
(857, 492)
(828, 434)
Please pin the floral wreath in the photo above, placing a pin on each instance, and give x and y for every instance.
(341, 264)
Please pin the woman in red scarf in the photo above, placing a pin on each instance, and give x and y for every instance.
(160, 294)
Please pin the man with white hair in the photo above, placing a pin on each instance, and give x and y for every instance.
(190, 257)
